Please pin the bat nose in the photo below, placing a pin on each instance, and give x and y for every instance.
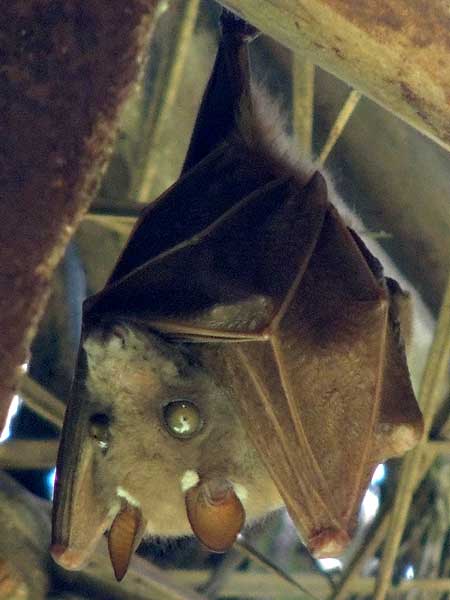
(67, 558)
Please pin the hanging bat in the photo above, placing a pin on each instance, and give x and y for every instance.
(245, 353)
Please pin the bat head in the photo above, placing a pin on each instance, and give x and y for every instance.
(158, 447)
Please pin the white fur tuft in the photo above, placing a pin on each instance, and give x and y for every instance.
(122, 493)
(189, 480)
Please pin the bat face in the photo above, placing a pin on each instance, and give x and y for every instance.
(157, 424)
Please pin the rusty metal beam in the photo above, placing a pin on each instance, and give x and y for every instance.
(66, 70)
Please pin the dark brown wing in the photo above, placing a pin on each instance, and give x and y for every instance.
(190, 204)
(229, 279)
(330, 389)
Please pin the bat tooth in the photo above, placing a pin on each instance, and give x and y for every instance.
(329, 543)
(215, 513)
(123, 537)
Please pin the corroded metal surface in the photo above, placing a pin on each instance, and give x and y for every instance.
(65, 71)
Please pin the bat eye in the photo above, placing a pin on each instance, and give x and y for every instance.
(182, 418)
(99, 430)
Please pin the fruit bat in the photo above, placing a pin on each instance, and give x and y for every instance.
(245, 353)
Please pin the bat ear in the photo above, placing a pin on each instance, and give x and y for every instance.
(215, 513)
(124, 537)
(81, 513)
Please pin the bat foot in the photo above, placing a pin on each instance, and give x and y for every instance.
(232, 23)
(329, 543)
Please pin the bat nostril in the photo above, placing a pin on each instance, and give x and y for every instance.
(67, 558)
